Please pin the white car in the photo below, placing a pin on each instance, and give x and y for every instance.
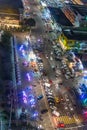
(66, 76)
(49, 93)
(56, 113)
(70, 107)
(47, 85)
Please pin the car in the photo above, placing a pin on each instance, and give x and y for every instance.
(47, 89)
(59, 46)
(67, 98)
(40, 127)
(60, 125)
(65, 107)
(40, 97)
(47, 84)
(66, 76)
(57, 100)
(70, 107)
(58, 58)
(49, 93)
(69, 114)
(50, 98)
(25, 63)
(60, 83)
(44, 111)
(55, 113)
(51, 103)
(51, 107)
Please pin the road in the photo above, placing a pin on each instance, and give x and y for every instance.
(37, 33)
(47, 123)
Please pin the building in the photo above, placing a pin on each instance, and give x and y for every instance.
(10, 13)
(72, 38)
(59, 17)
(80, 2)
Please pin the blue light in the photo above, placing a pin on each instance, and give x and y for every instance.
(35, 114)
(32, 103)
(33, 106)
(25, 100)
(21, 47)
(29, 88)
(28, 76)
(83, 88)
(31, 96)
(85, 77)
(32, 100)
(83, 97)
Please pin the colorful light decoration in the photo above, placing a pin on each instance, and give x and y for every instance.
(21, 47)
(35, 114)
(28, 76)
(24, 97)
(31, 56)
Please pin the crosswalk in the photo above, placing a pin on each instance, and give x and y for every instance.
(69, 120)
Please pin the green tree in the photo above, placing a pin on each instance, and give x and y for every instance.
(5, 39)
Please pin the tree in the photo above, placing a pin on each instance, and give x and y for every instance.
(5, 38)
(30, 22)
(5, 41)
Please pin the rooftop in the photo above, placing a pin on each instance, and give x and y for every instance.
(10, 6)
(81, 9)
(75, 34)
(59, 16)
(84, 1)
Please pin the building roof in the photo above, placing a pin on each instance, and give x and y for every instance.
(84, 1)
(75, 34)
(59, 16)
(81, 9)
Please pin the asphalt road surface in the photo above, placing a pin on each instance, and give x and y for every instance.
(47, 122)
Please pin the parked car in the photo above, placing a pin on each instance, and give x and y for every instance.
(40, 97)
(55, 113)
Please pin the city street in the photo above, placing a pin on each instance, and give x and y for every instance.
(67, 107)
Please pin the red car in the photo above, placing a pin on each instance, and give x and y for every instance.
(50, 81)
(61, 125)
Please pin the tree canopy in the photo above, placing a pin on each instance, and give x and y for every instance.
(30, 22)
(5, 38)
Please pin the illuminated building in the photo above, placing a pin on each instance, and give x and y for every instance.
(80, 2)
(72, 38)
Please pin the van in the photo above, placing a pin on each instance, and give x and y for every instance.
(56, 113)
